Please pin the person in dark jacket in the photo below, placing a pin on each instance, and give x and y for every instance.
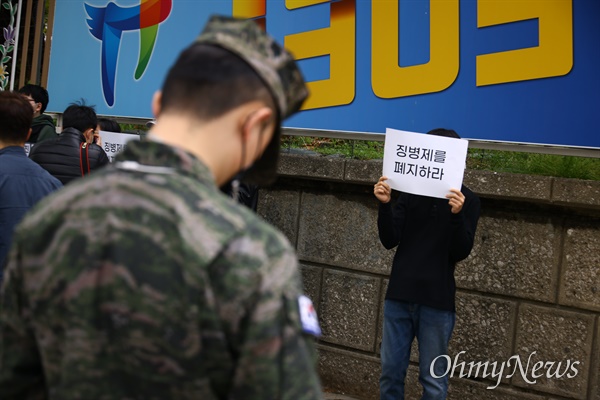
(42, 126)
(22, 182)
(73, 154)
(431, 235)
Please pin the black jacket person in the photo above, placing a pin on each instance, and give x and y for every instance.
(430, 235)
(72, 154)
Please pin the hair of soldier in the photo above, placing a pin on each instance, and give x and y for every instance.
(109, 125)
(444, 132)
(207, 81)
(80, 116)
(37, 93)
(15, 117)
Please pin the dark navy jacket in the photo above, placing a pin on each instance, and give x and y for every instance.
(22, 184)
(430, 240)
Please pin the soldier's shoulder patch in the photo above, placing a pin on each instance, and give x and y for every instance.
(308, 316)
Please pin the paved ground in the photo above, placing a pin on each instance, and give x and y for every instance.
(334, 396)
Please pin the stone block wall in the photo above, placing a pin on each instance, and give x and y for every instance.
(529, 289)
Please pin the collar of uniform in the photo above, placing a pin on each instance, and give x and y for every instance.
(156, 154)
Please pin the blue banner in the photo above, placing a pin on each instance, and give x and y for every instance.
(523, 71)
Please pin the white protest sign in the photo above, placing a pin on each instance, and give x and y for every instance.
(113, 142)
(426, 165)
(28, 147)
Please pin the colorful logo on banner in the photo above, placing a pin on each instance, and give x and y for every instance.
(107, 24)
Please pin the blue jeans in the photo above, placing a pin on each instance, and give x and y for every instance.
(402, 322)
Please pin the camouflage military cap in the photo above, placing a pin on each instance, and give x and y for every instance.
(274, 64)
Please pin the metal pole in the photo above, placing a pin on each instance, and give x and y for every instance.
(16, 47)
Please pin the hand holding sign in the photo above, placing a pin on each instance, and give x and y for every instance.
(382, 190)
(427, 165)
(456, 200)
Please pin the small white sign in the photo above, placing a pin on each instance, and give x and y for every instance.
(113, 142)
(426, 165)
(28, 147)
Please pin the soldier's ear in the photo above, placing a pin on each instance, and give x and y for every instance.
(156, 101)
(256, 121)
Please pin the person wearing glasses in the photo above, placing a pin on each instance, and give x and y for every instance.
(42, 127)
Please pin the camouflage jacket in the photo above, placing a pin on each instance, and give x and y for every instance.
(143, 281)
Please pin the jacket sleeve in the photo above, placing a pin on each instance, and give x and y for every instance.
(21, 373)
(275, 358)
(464, 225)
(390, 222)
(102, 158)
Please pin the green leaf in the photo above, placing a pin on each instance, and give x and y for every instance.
(5, 59)
(6, 5)
(10, 48)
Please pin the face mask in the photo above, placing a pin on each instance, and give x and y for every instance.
(233, 186)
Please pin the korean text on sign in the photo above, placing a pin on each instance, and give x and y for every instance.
(423, 164)
(113, 143)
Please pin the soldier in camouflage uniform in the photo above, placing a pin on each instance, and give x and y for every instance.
(144, 281)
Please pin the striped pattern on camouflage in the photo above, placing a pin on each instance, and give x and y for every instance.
(128, 285)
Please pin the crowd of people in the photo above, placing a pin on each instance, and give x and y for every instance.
(143, 280)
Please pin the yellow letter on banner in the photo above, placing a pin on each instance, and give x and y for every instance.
(388, 79)
(338, 40)
(553, 56)
(249, 8)
(293, 4)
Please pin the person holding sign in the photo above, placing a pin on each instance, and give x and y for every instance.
(431, 235)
